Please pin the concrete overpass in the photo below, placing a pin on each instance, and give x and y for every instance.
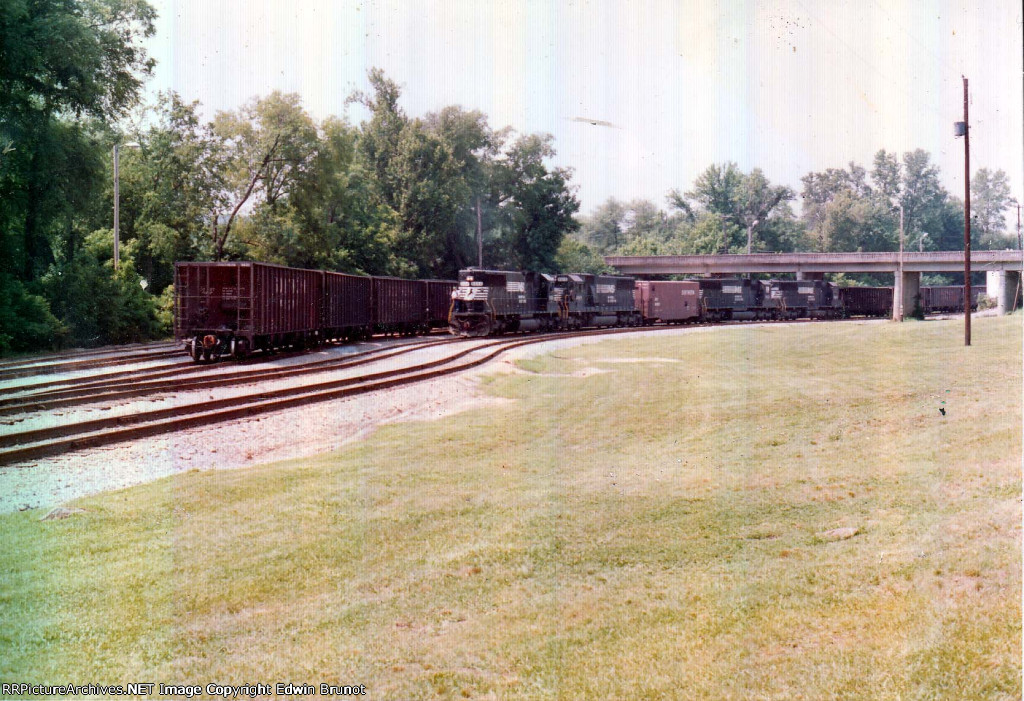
(1004, 268)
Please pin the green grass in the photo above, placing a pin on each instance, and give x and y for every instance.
(651, 531)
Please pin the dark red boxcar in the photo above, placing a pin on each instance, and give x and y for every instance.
(346, 307)
(671, 302)
(238, 307)
(399, 305)
(439, 301)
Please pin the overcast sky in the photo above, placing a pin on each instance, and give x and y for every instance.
(640, 96)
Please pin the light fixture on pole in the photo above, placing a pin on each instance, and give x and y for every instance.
(117, 200)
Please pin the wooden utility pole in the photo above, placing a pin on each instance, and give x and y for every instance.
(967, 222)
(479, 237)
(117, 208)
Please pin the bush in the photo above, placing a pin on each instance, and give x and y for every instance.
(26, 322)
(98, 305)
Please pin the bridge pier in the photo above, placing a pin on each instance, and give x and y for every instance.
(810, 276)
(907, 289)
(1004, 286)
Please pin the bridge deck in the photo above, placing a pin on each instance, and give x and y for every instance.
(928, 262)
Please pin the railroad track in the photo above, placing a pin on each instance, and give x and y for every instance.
(34, 444)
(84, 353)
(86, 364)
(186, 366)
(134, 386)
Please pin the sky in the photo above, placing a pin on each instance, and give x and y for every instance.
(640, 96)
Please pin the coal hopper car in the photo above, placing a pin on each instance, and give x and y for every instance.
(234, 308)
(866, 301)
(439, 301)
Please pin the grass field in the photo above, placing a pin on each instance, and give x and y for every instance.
(646, 518)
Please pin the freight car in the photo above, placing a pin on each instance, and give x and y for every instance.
(948, 299)
(439, 301)
(669, 302)
(866, 301)
(346, 307)
(399, 306)
(234, 308)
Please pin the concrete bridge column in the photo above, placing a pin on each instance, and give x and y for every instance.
(810, 276)
(907, 288)
(1004, 287)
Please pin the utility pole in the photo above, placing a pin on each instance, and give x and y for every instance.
(963, 129)
(1020, 277)
(117, 202)
(1020, 242)
(117, 209)
(902, 311)
(750, 234)
(479, 237)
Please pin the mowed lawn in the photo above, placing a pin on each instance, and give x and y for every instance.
(644, 518)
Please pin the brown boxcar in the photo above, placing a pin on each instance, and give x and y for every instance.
(671, 302)
(222, 308)
(346, 306)
(399, 306)
(866, 301)
(439, 301)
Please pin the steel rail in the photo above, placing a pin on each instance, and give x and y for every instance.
(122, 390)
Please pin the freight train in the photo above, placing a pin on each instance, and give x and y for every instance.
(232, 309)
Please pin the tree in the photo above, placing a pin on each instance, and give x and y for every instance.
(758, 200)
(990, 198)
(72, 58)
(169, 189)
(604, 229)
(268, 148)
(915, 186)
(535, 205)
(749, 202)
(65, 67)
(59, 60)
(842, 212)
(577, 257)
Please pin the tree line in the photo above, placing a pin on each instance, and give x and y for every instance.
(851, 209)
(394, 195)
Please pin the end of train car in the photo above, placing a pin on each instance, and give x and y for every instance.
(232, 309)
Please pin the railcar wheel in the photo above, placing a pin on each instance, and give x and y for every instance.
(238, 350)
(195, 349)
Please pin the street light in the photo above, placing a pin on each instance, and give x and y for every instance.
(117, 200)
